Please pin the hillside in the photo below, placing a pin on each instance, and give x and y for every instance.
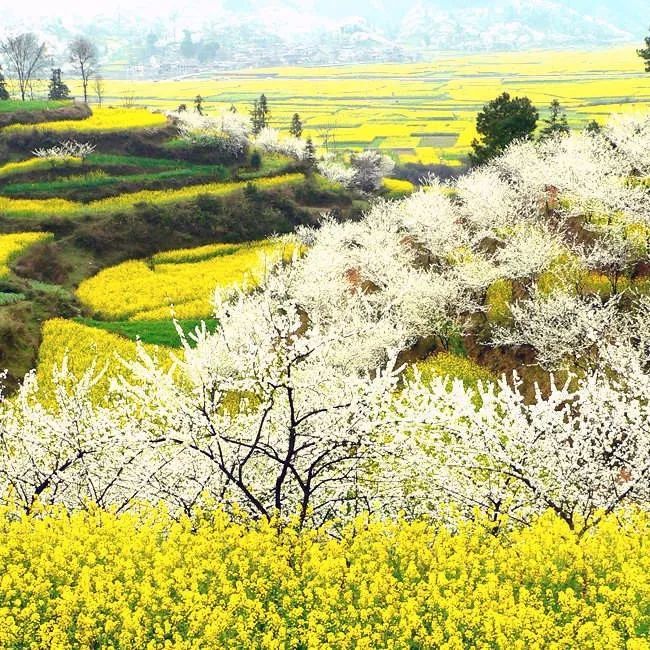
(287, 370)
(140, 191)
(487, 305)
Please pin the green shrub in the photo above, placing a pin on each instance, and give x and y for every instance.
(256, 160)
(10, 298)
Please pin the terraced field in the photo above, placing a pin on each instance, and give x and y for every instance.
(98, 251)
(422, 112)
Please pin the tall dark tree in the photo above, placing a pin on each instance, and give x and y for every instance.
(502, 121)
(198, 104)
(4, 93)
(593, 127)
(26, 57)
(296, 126)
(187, 45)
(57, 89)
(310, 154)
(83, 56)
(644, 53)
(265, 113)
(556, 122)
(260, 114)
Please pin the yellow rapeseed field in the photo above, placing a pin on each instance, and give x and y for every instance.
(445, 364)
(102, 119)
(39, 208)
(196, 254)
(82, 346)
(421, 111)
(35, 164)
(14, 244)
(398, 188)
(94, 579)
(186, 279)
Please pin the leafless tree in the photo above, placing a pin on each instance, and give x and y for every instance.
(26, 58)
(83, 56)
(327, 136)
(99, 88)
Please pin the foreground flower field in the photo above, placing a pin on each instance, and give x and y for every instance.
(99, 580)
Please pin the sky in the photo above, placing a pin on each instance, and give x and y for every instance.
(91, 8)
(621, 12)
(325, 7)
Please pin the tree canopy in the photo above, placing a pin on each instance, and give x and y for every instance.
(502, 121)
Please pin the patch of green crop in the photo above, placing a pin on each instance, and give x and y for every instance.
(159, 332)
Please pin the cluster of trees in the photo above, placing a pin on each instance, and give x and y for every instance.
(506, 119)
(233, 133)
(26, 59)
(260, 114)
(298, 402)
(365, 171)
(203, 50)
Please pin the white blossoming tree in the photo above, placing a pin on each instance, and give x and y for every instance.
(297, 404)
(564, 329)
(579, 451)
(227, 132)
(269, 140)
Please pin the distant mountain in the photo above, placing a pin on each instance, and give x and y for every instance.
(264, 32)
(506, 25)
(627, 15)
(451, 24)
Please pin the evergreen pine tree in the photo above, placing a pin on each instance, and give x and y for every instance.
(264, 112)
(57, 89)
(310, 154)
(296, 126)
(556, 122)
(502, 121)
(593, 127)
(260, 114)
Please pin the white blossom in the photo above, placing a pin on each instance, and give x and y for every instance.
(228, 131)
(561, 327)
(65, 150)
(269, 140)
(298, 404)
